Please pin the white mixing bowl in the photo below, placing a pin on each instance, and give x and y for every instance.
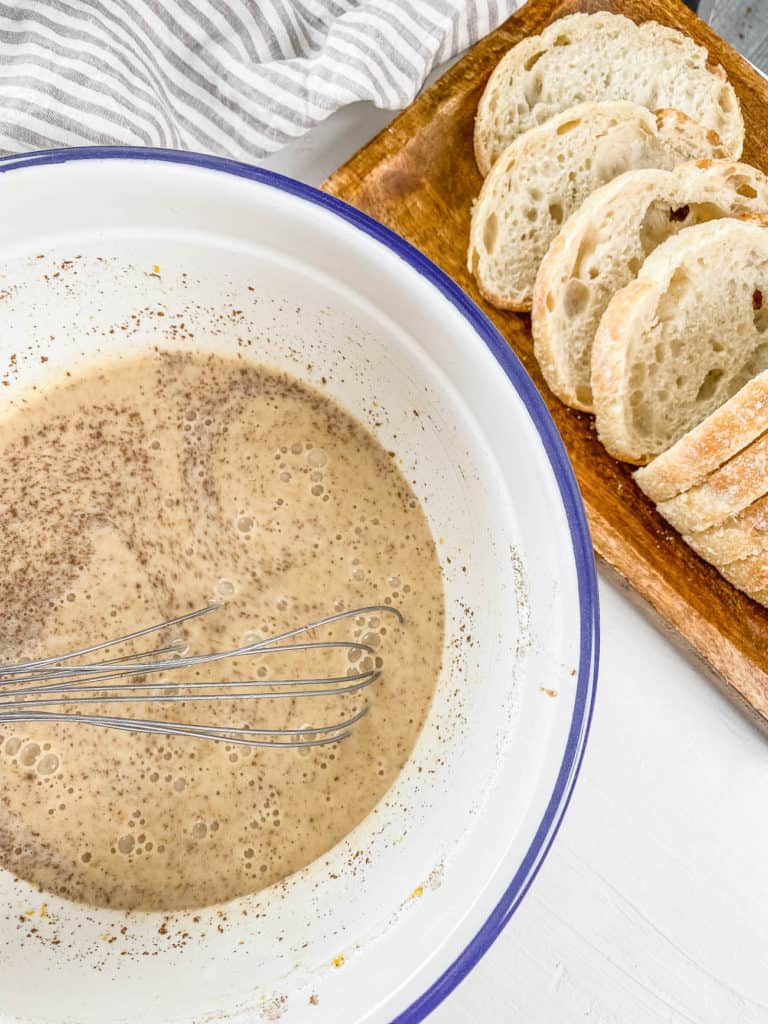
(94, 245)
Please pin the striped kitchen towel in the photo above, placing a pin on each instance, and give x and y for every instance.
(234, 77)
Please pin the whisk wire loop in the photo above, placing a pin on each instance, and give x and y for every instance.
(27, 687)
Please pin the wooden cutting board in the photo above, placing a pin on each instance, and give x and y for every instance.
(419, 178)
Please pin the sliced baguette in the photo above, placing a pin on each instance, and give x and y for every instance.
(741, 536)
(548, 172)
(750, 575)
(603, 244)
(715, 469)
(683, 338)
(591, 57)
(724, 493)
(709, 445)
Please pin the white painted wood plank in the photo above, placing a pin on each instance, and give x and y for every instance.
(744, 25)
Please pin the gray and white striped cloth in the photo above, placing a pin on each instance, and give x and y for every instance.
(234, 77)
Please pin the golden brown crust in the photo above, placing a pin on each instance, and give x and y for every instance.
(717, 70)
(705, 448)
(749, 574)
(483, 164)
(739, 537)
(724, 493)
(609, 362)
(543, 342)
(499, 302)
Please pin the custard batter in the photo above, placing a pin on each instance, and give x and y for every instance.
(147, 488)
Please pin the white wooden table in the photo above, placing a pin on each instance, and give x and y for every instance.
(653, 904)
(743, 24)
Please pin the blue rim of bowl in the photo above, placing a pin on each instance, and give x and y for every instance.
(569, 492)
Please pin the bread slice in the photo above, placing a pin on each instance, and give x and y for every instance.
(683, 338)
(713, 484)
(742, 536)
(549, 172)
(603, 244)
(726, 492)
(761, 596)
(600, 57)
(709, 445)
(750, 575)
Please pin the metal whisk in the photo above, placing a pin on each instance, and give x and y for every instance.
(64, 681)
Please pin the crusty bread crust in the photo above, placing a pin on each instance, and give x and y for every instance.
(724, 493)
(741, 536)
(622, 318)
(713, 442)
(750, 575)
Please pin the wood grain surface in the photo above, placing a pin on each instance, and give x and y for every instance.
(419, 178)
